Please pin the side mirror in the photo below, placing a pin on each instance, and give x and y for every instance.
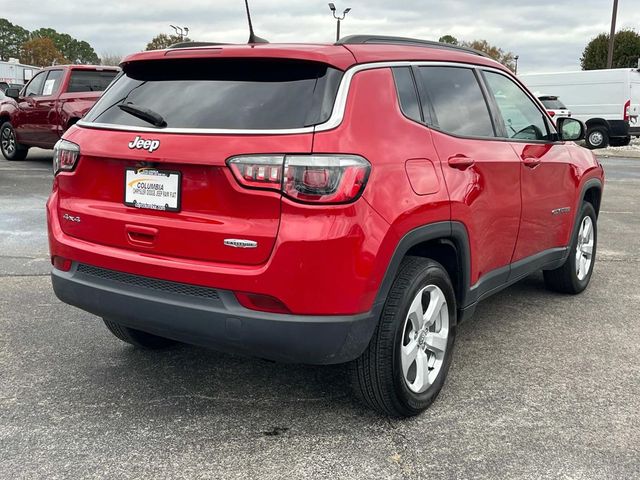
(12, 93)
(570, 129)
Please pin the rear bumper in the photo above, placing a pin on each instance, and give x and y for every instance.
(213, 317)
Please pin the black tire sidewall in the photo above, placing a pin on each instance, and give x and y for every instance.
(586, 210)
(18, 152)
(414, 403)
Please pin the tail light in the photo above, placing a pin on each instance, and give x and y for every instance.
(61, 263)
(304, 178)
(627, 111)
(65, 156)
(551, 113)
(262, 303)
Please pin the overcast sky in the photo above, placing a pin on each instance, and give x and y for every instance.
(547, 35)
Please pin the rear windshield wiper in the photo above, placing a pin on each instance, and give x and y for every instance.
(143, 113)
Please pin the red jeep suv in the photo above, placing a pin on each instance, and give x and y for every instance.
(318, 203)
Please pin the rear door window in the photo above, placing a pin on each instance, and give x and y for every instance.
(90, 80)
(459, 107)
(256, 94)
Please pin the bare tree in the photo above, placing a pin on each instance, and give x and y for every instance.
(110, 58)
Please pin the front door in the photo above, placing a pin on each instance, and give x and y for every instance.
(548, 179)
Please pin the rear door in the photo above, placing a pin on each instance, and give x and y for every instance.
(213, 110)
(480, 170)
(548, 179)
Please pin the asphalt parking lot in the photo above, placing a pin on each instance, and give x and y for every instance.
(542, 385)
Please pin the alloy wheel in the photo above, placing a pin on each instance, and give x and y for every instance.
(8, 141)
(584, 248)
(424, 339)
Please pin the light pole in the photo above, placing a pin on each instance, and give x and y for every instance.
(516, 59)
(332, 7)
(181, 31)
(612, 34)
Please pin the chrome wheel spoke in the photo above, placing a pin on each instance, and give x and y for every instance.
(408, 355)
(434, 310)
(437, 342)
(422, 372)
(416, 313)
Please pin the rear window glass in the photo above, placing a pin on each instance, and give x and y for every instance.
(222, 94)
(457, 100)
(553, 104)
(90, 80)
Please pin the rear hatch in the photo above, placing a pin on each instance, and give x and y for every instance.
(210, 110)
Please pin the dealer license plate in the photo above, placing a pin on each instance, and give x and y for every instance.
(152, 189)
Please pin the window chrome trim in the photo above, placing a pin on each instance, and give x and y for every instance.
(334, 121)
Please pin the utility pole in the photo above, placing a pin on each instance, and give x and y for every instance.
(516, 59)
(332, 7)
(612, 34)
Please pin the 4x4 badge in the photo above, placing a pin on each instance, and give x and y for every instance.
(141, 143)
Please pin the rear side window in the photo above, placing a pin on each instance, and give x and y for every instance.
(553, 104)
(457, 100)
(256, 94)
(407, 93)
(90, 80)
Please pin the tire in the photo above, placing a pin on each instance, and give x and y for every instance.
(138, 338)
(620, 142)
(568, 278)
(378, 376)
(11, 150)
(597, 137)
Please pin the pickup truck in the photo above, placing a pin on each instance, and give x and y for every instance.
(54, 99)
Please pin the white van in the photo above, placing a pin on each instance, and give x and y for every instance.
(607, 101)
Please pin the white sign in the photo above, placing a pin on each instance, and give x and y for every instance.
(153, 189)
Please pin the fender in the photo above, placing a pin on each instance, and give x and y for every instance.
(451, 231)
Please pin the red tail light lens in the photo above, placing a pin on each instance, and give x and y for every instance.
(258, 171)
(305, 178)
(65, 156)
(552, 113)
(627, 111)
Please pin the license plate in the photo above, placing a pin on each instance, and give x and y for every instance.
(152, 189)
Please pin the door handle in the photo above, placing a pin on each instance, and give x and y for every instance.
(141, 236)
(531, 162)
(460, 162)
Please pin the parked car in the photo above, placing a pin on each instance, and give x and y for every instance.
(321, 204)
(608, 101)
(54, 99)
(555, 108)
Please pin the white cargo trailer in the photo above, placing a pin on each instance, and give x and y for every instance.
(608, 101)
(14, 72)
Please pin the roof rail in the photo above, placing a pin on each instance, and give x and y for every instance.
(382, 39)
(196, 44)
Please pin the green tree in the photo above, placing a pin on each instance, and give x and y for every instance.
(504, 57)
(41, 52)
(76, 51)
(450, 39)
(164, 41)
(11, 39)
(626, 51)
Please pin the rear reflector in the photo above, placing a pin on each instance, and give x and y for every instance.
(61, 263)
(262, 303)
(304, 178)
